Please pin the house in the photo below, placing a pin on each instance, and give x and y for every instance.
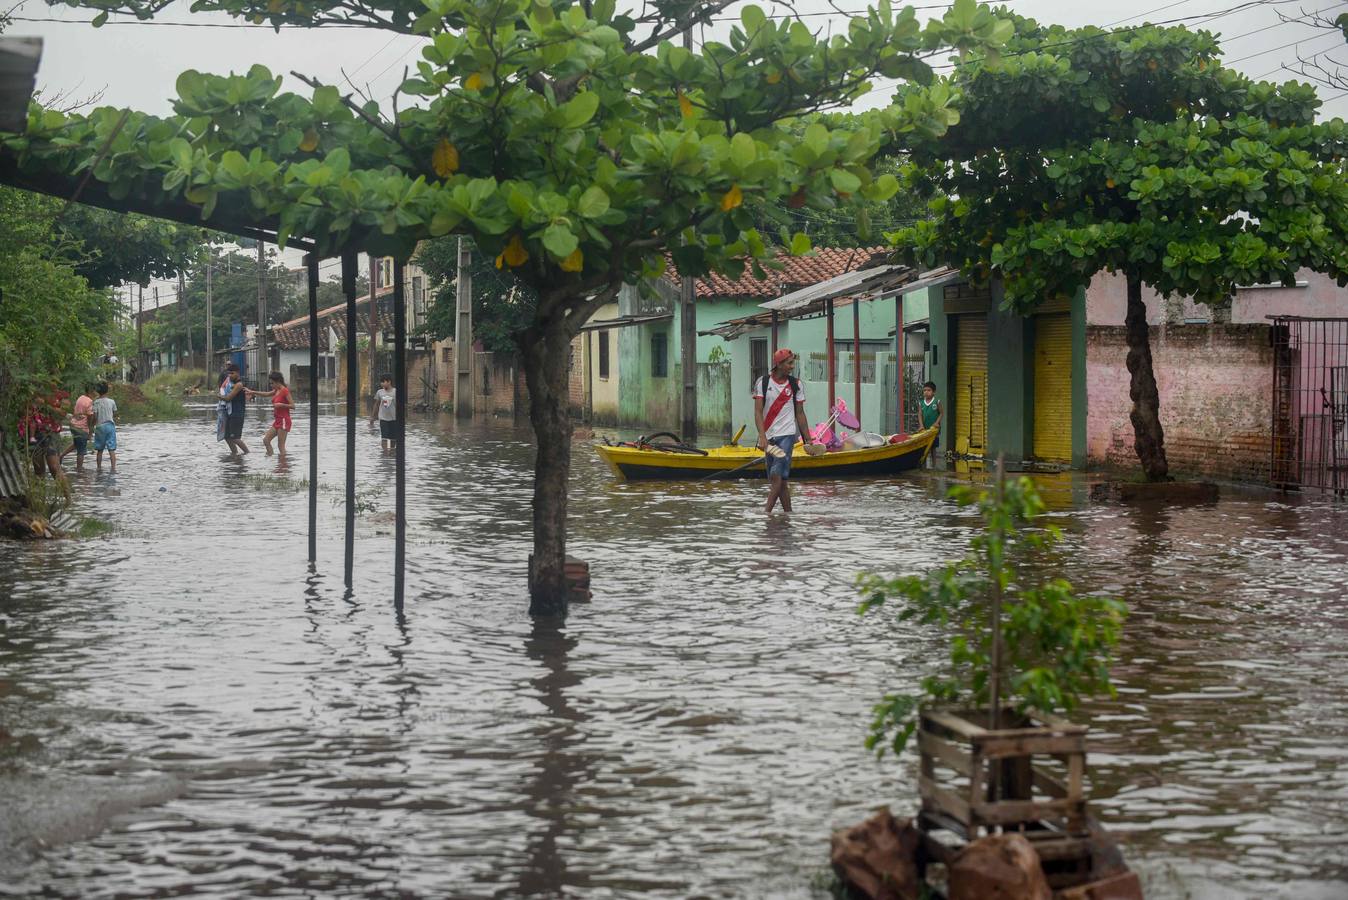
(288, 342)
(846, 293)
(1053, 387)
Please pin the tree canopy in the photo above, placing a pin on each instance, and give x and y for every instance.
(1136, 152)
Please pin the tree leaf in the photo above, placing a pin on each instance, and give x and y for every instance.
(560, 241)
(593, 203)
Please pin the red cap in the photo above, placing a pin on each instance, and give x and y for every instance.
(781, 356)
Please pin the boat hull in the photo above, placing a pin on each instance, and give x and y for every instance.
(633, 464)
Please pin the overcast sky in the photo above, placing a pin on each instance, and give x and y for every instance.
(135, 64)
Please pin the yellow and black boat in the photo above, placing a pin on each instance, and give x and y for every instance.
(653, 460)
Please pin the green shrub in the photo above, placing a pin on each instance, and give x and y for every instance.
(175, 384)
(1054, 646)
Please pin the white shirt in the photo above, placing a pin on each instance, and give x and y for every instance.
(784, 425)
(388, 404)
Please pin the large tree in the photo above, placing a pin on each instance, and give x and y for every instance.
(502, 304)
(1134, 152)
(576, 145)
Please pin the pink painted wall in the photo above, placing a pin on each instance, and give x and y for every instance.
(1107, 301)
(1215, 384)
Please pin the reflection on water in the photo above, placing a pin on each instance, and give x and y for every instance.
(190, 706)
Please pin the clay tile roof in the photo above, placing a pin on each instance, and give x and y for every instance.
(796, 272)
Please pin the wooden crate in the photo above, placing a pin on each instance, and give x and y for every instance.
(976, 780)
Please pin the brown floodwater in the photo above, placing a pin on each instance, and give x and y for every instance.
(191, 710)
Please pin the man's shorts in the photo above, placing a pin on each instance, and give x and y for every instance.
(234, 428)
(781, 465)
(388, 429)
(81, 441)
(105, 436)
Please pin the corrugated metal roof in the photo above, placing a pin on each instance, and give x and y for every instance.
(865, 281)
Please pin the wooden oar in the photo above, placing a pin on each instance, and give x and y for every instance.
(757, 460)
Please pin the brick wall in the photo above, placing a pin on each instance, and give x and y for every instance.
(1215, 384)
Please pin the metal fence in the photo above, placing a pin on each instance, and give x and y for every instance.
(1310, 404)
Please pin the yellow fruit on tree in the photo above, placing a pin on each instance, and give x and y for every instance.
(445, 159)
(732, 198)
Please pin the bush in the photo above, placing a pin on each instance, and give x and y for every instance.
(183, 383)
(134, 405)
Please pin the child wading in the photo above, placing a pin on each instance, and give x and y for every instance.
(779, 412)
(79, 426)
(281, 405)
(386, 409)
(932, 413)
(105, 427)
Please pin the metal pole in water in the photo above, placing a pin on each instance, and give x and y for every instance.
(312, 262)
(399, 448)
(352, 383)
(856, 356)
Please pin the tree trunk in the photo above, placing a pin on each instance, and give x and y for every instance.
(546, 349)
(1148, 437)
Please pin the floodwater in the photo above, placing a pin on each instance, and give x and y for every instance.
(189, 710)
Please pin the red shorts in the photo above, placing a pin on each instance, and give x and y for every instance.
(281, 422)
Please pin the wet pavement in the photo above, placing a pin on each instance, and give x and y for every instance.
(192, 711)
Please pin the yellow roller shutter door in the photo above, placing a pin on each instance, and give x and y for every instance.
(1053, 387)
(970, 412)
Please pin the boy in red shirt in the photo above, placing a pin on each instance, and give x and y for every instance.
(779, 412)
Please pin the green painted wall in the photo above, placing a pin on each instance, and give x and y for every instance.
(1010, 382)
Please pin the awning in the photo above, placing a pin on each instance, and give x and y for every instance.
(625, 321)
(932, 278)
(862, 281)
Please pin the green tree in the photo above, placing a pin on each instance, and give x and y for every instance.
(574, 143)
(1013, 636)
(502, 305)
(1134, 152)
(52, 324)
(120, 248)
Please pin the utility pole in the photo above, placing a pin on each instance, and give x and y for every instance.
(210, 325)
(140, 331)
(463, 336)
(187, 320)
(263, 360)
(156, 315)
(688, 331)
(374, 319)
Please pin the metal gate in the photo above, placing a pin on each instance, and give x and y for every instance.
(1310, 404)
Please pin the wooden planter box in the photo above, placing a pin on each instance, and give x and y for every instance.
(1025, 776)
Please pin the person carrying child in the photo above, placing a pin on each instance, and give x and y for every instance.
(281, 405)
(233, 395)
(779, 413)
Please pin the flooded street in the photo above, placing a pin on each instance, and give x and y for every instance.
(193, 711)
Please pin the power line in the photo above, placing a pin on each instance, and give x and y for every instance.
(1304, 40)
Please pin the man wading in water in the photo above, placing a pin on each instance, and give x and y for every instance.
(779, 412)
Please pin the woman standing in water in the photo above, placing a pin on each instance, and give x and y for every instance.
(281, 405)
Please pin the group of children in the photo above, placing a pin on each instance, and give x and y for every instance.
(234, 394)
(88, 419)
